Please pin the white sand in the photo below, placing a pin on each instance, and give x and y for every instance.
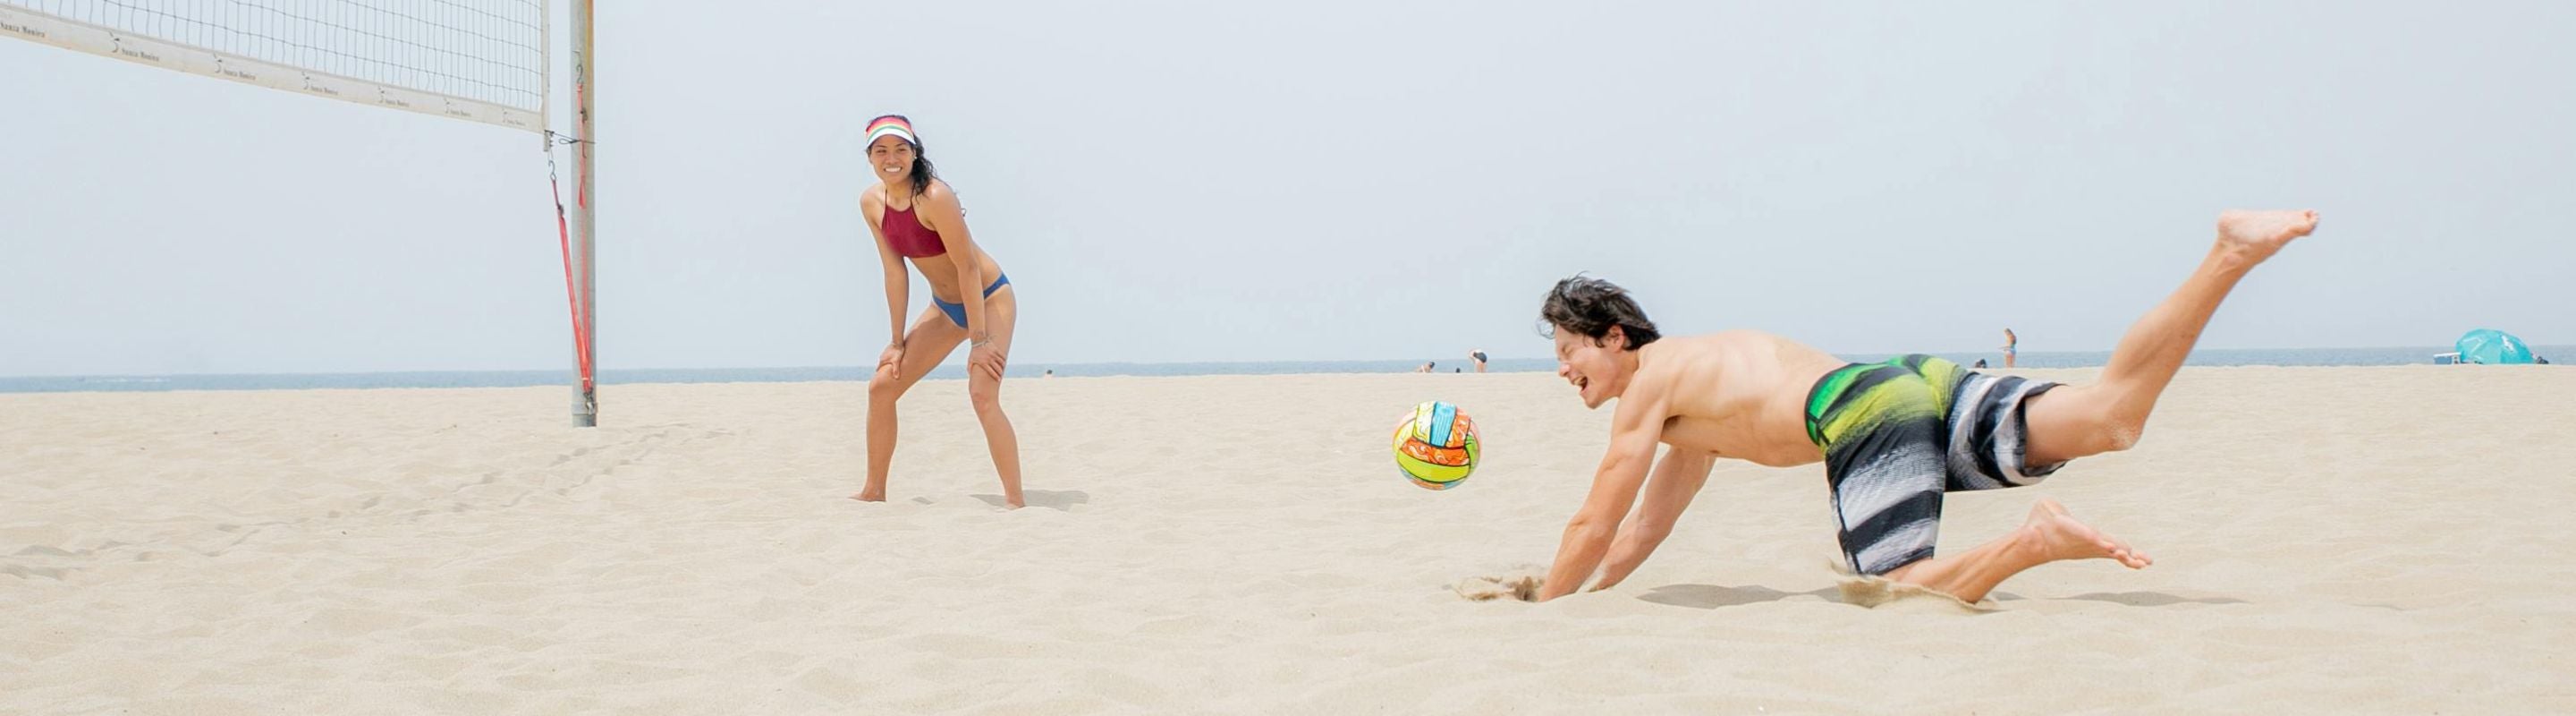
(2327, 540)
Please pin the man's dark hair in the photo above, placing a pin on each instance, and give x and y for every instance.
(1590, 306)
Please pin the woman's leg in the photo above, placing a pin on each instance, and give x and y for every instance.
(1001, 315)
(927, 342)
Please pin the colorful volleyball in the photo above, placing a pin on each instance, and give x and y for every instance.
(1435, 445)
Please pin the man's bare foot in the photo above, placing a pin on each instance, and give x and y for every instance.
(2256, 235)
(2051, 534)
(874, 494)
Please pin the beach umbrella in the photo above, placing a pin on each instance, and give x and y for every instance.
(2492, 347)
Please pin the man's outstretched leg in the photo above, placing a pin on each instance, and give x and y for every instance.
(2075, 421)
(2049, 535)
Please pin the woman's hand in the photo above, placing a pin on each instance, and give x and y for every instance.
(987, 358)
(891, 361)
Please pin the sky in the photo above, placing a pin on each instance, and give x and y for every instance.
(1203, 181)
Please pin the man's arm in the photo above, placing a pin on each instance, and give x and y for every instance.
(1676, 480)
(1634, 431)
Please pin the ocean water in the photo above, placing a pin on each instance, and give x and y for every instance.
(523, 378)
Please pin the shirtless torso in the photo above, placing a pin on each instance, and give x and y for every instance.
(1737, 394)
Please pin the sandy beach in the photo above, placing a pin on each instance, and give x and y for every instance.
(2328, 540)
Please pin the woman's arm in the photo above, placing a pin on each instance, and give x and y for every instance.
(898, 285)
(949, 218)
(946, 217)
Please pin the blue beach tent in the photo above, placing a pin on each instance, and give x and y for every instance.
(2492, 347)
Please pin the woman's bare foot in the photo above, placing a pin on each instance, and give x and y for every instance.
(2256, 235)
(2051, 534)
(872, 494)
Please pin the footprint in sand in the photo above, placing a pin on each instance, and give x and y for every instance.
(1523, 587)
(1871, 592)
(1879, 593)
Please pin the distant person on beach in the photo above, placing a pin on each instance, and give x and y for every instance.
(916, 216)
(1478, 355)
(1893, 436)
(2012, 347)
(1981, 363)
(1427, 367)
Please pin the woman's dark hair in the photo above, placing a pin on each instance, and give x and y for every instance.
(1590, 306)
(922, 171)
